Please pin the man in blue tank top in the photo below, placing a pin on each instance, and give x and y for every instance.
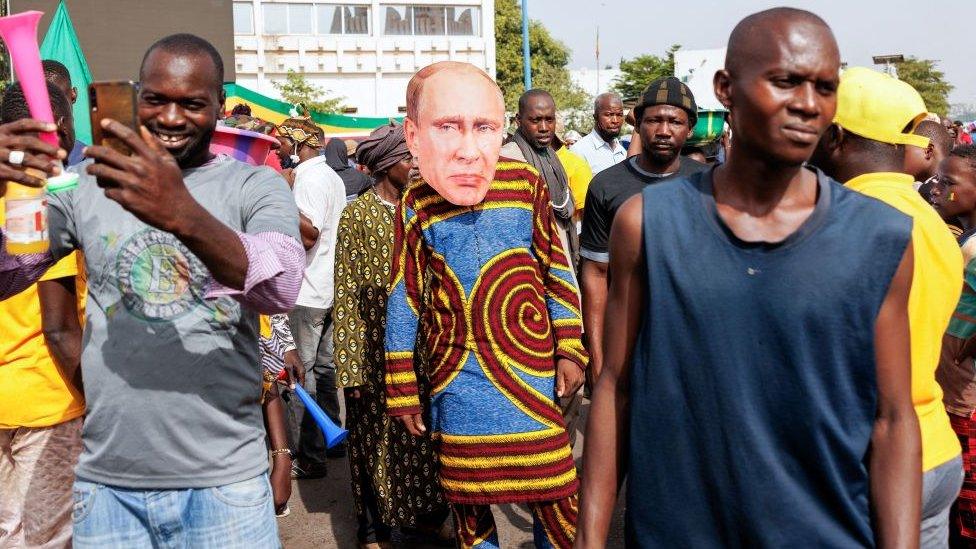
(756, 389)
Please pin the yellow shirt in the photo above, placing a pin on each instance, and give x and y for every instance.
(579, 175)
(936, 287)
(33, 392)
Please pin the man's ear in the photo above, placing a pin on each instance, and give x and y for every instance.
(410, 133)
(930, 152)
(221, 99)
(834, 138)
(722, 84)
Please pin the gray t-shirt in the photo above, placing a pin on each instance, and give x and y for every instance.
(172, 380)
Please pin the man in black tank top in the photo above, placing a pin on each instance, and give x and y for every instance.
(686, 437)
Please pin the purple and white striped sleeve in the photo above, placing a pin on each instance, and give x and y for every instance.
(18, 272)
(275, 264)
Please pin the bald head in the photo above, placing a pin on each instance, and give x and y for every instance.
(606, 100)
(924, 163)
(608, 116)
(779, 84)
(533, 97)
(938, 136)
(444, 70)
(755, 38)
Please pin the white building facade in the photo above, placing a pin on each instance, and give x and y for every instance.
(594, 81)
(364, 52)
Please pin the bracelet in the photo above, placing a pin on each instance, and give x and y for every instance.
(275, 453)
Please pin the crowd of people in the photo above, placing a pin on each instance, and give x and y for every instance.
(777, 339)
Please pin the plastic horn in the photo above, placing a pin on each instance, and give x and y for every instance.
(333, 433)
(19, 33)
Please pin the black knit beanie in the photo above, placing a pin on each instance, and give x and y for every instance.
(668, 90)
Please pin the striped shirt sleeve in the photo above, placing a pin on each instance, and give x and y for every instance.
(275, 264)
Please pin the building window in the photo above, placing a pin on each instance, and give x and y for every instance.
(355, 19)
(299, 19)
(339, 19)
(463, 20)
(432, 20)
(398, 20)
(282, 18)
(243, 18)
(275, 18)
(428, 21)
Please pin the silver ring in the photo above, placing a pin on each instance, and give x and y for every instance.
(16, 158)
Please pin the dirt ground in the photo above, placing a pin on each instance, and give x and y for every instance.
(322, 514)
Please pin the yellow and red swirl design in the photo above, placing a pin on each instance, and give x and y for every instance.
(511, 327)
(448, 333)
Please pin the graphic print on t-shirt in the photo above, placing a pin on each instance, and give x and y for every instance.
(158, 277)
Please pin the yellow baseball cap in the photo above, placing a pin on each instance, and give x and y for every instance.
(879, 107)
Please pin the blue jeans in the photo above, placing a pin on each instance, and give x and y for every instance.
(238, 515)
(940, 488)
(312, 330)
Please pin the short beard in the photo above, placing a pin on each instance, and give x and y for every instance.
(608, 134)
(660, 158)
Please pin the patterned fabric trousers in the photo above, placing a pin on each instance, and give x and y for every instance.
(962, 519)
(554, 524)
(37, 467)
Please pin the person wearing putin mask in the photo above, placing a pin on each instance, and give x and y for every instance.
(478, 258)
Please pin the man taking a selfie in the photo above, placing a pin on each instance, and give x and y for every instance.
(183, 250)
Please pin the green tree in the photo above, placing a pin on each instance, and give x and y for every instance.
(930, 82)
(549, 59)
(295, 89)
(637, 73)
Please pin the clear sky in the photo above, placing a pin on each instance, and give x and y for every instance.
(930, 29)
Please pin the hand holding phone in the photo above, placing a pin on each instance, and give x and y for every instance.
(118, 101)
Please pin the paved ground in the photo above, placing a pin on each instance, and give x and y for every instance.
(322, 514)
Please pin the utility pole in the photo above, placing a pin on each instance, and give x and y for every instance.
(597, 60)
(526, 56)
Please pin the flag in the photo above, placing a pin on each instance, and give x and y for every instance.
(61, 44)
(598, 44)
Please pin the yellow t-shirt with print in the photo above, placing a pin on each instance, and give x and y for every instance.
(33, 393)
(936, 287)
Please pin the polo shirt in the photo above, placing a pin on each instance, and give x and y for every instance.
(599, 154)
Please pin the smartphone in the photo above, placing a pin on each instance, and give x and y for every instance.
(118, 101)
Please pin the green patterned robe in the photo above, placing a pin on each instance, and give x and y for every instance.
(400, 469)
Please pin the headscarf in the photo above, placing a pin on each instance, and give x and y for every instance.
(355, 181)
(302, 131)
(386, 146)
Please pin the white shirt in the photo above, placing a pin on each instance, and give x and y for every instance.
(599, 154)
(320, 196)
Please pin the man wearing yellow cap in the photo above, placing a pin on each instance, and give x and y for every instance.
(865, 149)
